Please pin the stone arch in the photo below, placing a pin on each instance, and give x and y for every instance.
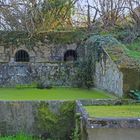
(22, 56)
(70, 55)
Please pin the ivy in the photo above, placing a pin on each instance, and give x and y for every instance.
(56, 126)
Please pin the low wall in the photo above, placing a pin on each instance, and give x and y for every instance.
(56, 74)
(41, 118)
(107, 128)
(113, 134)
(108, 76)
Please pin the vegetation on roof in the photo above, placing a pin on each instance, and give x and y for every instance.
(62, 37)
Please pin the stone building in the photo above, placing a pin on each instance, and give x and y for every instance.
(54, 64)
(45, 62)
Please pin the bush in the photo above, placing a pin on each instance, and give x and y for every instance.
(56, 126)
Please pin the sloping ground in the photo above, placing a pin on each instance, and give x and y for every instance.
(119, 53)
(134, 49)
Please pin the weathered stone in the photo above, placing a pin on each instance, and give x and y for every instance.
(109, 77)
(56, 74)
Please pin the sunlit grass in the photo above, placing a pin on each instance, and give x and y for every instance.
(51, 94)
(125, 111)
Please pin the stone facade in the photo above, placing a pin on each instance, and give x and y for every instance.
(40, 53)
(46, 65)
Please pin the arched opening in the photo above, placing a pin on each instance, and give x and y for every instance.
(21, 56)
(70, 55)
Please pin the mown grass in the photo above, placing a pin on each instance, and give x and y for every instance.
(51, 94)
(123, 111)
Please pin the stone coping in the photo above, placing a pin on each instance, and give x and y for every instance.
(113, 123)
(92, 123)
(108, 102)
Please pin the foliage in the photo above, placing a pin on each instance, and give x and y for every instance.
(35, 16)
(77, 131)
(85, 73)
(57, 14)
(17, 38)
(94, 52)
(59, 37)
(135, 94)
(57, 125)
(64, 37)
(125, 34)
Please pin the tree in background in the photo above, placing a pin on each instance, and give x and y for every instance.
(35, 15)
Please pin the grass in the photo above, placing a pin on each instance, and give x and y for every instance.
(123, 111)
(18, 137)
(134, 49)
(51, 94)
(135, 46)
(134, 54)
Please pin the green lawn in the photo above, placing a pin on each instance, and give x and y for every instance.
(123, 111)
(51, 94)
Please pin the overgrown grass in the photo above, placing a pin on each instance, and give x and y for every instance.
(134, 54)
(123, 111)
(134, 49)
(135, 46)
(51, 94)
(18, 137)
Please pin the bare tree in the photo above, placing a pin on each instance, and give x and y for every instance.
(35, 15)
(134, 10)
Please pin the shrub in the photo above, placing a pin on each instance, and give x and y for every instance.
(56, 126)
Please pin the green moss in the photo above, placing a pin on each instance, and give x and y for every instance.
(66, 36)
(62, 37)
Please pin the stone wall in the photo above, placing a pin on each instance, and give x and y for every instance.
(108, 76)
(55, 74)
(40, 53)
(26, 117)
(131, 79)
